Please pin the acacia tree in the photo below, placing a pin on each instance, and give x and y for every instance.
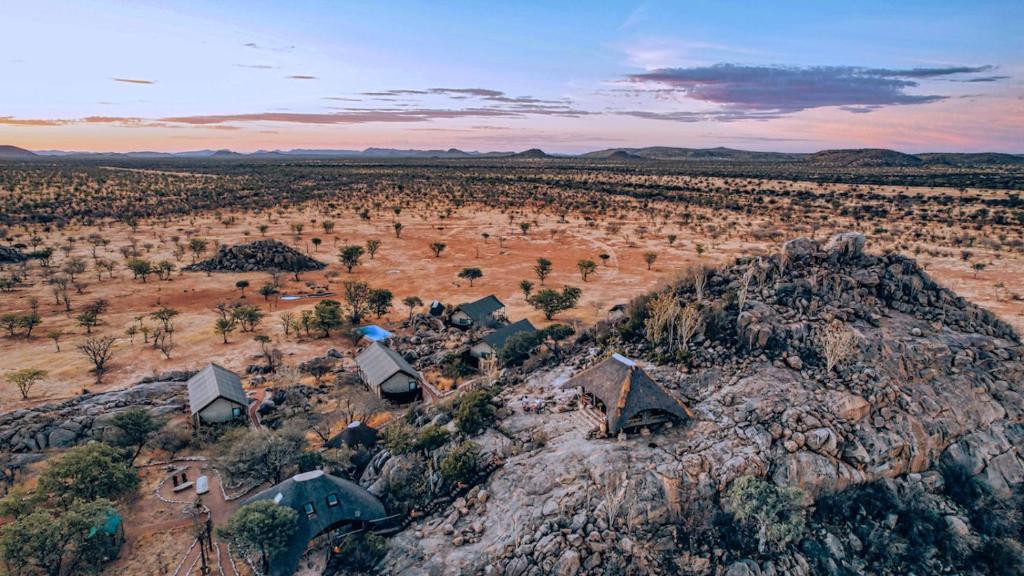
(586, 267)
(471, 274)
(398, 229)
(650, 258)
(551, 302)
(412, 302)
(349, 256)
(136, 427)
(437, 248)
(357, 296)
(542, 269)
(262, 526)
(380, 301)
(98, 350)
(527, 287)
(372, 246)
(25, 379)
(224, 326)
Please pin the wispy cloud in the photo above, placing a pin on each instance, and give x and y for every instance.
(301, 77)
(257, 66)
(133, 81)
(767, 92)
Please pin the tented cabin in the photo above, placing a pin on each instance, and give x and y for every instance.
(326, 505)
(482, 313)
(628, 396)
(388, 374)
(490, 345)
(215, 396)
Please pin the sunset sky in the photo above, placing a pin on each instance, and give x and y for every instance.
(562, 76)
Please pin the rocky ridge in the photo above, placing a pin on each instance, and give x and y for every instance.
(73, 421)
(260, 255)
(936, 379)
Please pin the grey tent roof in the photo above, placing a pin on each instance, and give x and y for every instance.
(354, 504)
(480, 309)
(498, 338)
(214, 382)
(378, 363)
(626, 390)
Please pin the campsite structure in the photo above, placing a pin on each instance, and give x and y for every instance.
(215, 396)
(326, 506)
(388, 374)
(491, 344)
(627, 395)
(482, 313)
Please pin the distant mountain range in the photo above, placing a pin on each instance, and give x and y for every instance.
(852, 158)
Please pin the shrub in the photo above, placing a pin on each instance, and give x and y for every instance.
(518, 348)
(773, 512)
(453, 366)
(461, 464)
(430, 438)
(558, 332)
(475, 412)
(399, 438)
(361, 552)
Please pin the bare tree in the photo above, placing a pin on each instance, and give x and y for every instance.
(837, 344)
(99, 351)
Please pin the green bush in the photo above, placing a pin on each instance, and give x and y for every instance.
(774, 513)
(475, 412)
(453, 366)
(430, 438)
(518, 348)
(461, 464)
(361, 552)
(558, 332)
(399, 438)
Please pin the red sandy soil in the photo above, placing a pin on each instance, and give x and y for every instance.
(404, 265)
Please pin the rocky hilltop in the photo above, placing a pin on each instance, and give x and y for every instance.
(929, 387)
(9, 255)
(256, 256)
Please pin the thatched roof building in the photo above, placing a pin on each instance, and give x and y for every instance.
(629, 397)
(356, 435)
(324, 503)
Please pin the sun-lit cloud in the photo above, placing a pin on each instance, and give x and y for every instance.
(133, 81)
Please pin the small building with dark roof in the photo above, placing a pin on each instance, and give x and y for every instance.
(388, 374)
(356, 435)
(481, 313)
(215, 396)
(627, 395)
(324, 504)
(491, 344)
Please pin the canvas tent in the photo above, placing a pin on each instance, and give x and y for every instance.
(388, 374)
(215, 395)
(491, 344)
(629, 397)
(478, 314)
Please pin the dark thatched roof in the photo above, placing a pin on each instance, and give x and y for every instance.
(353, 504)
(355, 435)
(626, 390)
(214, 382)
(481, 310)
(498, 338)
